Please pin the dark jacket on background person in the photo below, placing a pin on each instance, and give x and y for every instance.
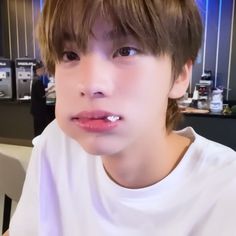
(42, 113)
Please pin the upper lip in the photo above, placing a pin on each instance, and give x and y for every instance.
(95, 114)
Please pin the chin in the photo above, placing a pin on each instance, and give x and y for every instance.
(100, 148)
(98, 151)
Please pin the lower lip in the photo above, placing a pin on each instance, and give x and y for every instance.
(97, 126)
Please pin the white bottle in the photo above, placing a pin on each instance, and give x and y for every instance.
(216, 101)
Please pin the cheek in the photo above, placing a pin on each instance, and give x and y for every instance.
(58, 80)
(63, 92)
(144, 83)
(63, 83)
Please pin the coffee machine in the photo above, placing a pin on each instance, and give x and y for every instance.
(24, 77)
(6, 79)
(202, 90)
(205, 85)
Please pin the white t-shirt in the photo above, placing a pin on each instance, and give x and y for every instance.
(68, 193)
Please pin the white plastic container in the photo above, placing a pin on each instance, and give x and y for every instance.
(216, 101)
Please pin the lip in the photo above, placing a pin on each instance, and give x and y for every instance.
(96, 120)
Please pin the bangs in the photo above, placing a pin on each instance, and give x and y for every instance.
(160, 26)
(73, 20)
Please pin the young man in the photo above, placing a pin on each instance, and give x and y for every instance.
(41, 112)
(111, 164)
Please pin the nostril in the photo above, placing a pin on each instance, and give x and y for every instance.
(98, 94)
(92, 94)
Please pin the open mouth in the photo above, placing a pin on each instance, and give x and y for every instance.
(97, 121)
(97, 115)
(110, 118)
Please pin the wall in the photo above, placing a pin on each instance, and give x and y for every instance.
(218, 46)
(233, 63)
(1, 34)
(17, 39)
(2, 30)
(18, 20)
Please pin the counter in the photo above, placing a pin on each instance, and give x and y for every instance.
(217, 127)
(16, 122)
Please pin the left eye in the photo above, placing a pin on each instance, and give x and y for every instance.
(125, 52)
(70, 56)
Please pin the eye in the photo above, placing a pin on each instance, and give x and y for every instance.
(70, 56)
(125, 52)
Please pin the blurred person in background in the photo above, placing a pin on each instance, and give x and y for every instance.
(42, 113)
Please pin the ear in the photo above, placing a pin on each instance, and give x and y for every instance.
(181, 83)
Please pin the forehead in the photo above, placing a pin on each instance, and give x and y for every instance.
(107, 31)
(104, 31)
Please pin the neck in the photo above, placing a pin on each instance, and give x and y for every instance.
(145, 164)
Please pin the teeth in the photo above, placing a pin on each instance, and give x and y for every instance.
(113, 118)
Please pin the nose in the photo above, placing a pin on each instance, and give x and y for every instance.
(96, 79)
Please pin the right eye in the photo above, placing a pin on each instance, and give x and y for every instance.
(70, 56)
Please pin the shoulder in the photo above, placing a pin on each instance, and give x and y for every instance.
(208, 150)
(53, 145)
(211, 171)
(52, 135)
(209, 161)
(215, 153)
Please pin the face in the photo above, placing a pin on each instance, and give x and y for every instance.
(114, 95)
(40, 71)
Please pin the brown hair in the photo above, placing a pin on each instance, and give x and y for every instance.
(163, 26)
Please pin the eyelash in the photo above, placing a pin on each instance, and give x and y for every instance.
(69, 56)
(131, 50)
(126, 51)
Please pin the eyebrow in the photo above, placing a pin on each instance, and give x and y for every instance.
(114, 35)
